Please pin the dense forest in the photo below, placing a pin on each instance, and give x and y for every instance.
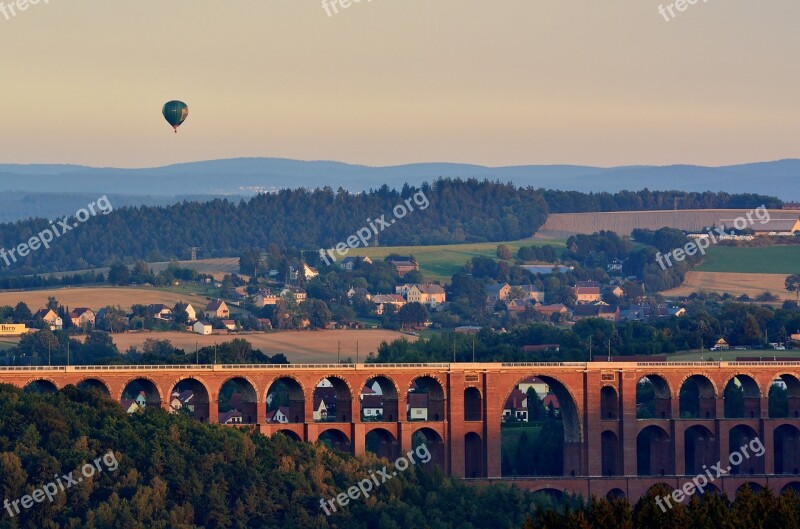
(454, 211)
(169, 471)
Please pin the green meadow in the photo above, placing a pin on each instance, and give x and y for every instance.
(767, 260)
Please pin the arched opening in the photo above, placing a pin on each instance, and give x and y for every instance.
(382, 443)
(615, 494)
(473, 405)
(549, 499)
(654, 452)
(290, 434)
(742, 398)
(333, 401)
(743, 447)
(784, 398)
(286, 402)
(610, 454)
(92, 384)
(473, 456)
(752, 485)
(609, 404)
(427, 440)
(786, 448)
(237, 402)
(697, 399)
(699, 450)
(710, 490)
(139, 394)
(190, 396)
(653, 398)
(379, 401)
(336, 440)
(541, 436)
(794, 487)
(40, 386)
(425, 400)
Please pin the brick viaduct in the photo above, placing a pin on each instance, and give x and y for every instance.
(608, 450)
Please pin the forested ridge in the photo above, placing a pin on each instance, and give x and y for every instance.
(459, 211)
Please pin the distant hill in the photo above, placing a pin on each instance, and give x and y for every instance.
(246, 176)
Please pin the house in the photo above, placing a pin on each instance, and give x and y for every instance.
(666, 312)
(229, 324)
(404, 265)
(280, 415)
(191, 312)
(351, 263)
(202, 328)
(82, 316)
(417, 406)
(547, 269)
(547, 312)
(428, 294)
(135, 404)
(403, 289)
(230, 417)
(602, 311)
(181, 400)
(382, 300)
(265, 297)
(359, 292)
(777, 227)
(721, 345)
(308, 272)
(550, 402)
(372, 406)
(633, 313)
(616, 291)
(516, 407)
(297, 293)
(498, 292)
(50, 317)
(533, 293)
(159, 311)
(519, 305)
(324, 402)
(217, 309)
(795, 337)
(587, 291)
(468, 329)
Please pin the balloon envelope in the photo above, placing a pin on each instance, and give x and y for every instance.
(175, 112)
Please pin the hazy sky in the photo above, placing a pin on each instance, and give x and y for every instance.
(499, 82)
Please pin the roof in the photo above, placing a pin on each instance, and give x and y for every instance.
(226, 415)
(79, 311)
(551, 399)
(495, 289)
(430, 288)
(550, 309)
(388, 298)
(587, 284)
(418, 400)
(587, 290)
(283, 409)
(372, 401)
(215, 305)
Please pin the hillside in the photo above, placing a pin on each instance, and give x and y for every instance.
(247, 175)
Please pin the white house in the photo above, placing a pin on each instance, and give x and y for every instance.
(201, 328)
(418, 406)
(281, 415)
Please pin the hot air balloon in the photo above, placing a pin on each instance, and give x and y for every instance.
(175, 112)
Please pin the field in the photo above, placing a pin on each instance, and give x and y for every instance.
(733, 283)
(441, 262)
(768, 260)
(298, 346)
(216, 267)
(95, 298)
(562, 225)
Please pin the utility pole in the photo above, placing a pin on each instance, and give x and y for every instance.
(356, 352)
(609, 349)
(339, 352)
(196, 354)
(473, 349)
(215, 353)
(590, 348)
(454, 349)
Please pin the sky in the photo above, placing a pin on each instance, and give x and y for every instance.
(386, 82)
